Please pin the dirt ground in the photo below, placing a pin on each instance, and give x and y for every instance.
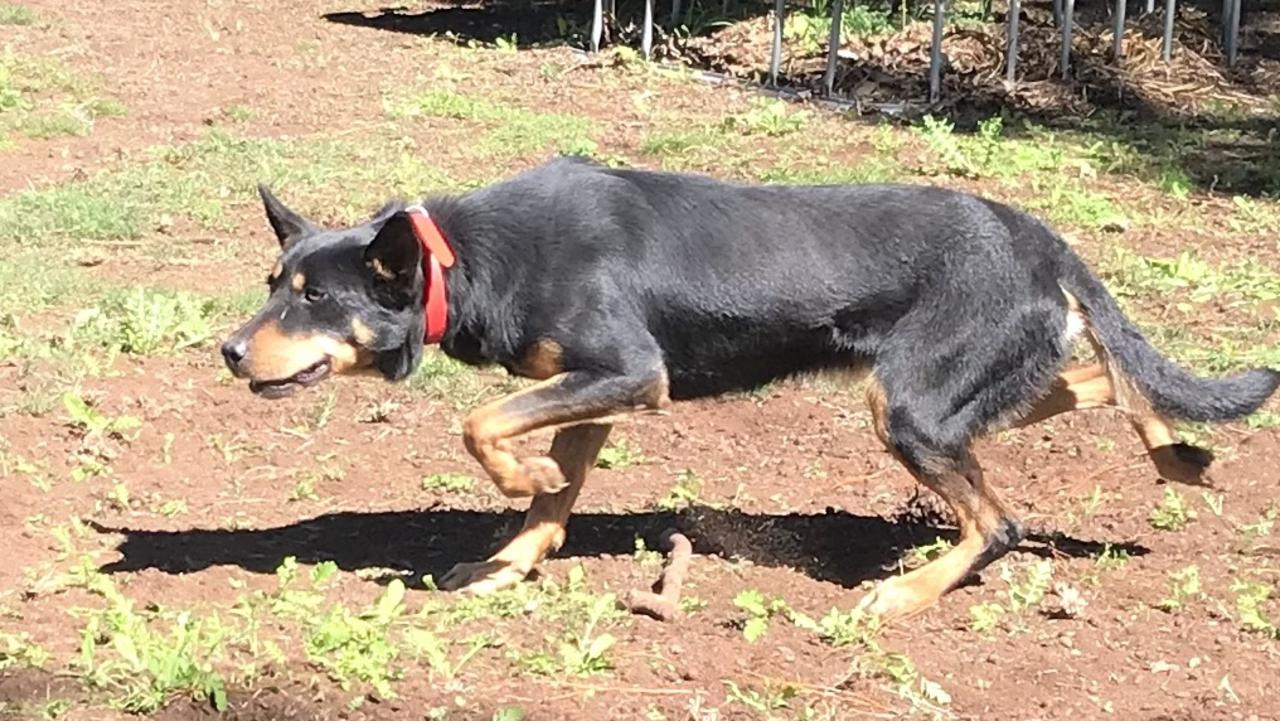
(797, 499)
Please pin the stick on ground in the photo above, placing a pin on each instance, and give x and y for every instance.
(664, 604)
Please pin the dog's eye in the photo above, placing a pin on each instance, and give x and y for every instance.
(313, 295)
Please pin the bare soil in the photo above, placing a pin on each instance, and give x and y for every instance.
(800, 500)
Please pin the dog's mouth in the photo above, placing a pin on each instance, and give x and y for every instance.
(308, 376)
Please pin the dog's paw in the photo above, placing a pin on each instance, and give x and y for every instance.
(895, 598)
(1183, 463)
(541, 474)
(483, 577)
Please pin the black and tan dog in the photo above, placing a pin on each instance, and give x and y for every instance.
(621, 290)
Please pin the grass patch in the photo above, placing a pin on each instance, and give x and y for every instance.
(14, 14)
(443, 378)
(681, 142)
(511, 130)
(1130, 274)
(987, 152)
(40, 98)
(195, 181)
(139, 321)
(1070, 202)
(868, 170)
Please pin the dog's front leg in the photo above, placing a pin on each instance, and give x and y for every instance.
(582, 401)
(574, 450)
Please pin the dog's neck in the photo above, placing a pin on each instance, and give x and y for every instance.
(479, 321)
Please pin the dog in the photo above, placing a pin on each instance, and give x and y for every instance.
(623, 290)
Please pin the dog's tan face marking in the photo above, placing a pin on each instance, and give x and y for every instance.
(274, 355)
(362, 333)
(298, 282)
(276, 271)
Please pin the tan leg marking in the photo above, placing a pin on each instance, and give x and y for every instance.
(1075, 389)
(488, 429)
(574, 450)
(1094, 386)
(982, 519)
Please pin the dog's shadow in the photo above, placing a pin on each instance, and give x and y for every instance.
(834, 546)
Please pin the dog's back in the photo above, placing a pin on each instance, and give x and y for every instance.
(744, 284)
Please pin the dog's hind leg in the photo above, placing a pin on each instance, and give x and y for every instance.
(1095, 386)
(987, 529)
(574, 450)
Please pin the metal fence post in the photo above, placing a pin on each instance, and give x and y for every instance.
(646, 40)
(775, 55)
(597, 25)
(1117, 27)
(1068, 19)
(1011, 53)
(833, 45)
(1170, 7)
(1233, 33)
(935, 52)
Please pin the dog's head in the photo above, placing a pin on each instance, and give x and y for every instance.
(339, 301)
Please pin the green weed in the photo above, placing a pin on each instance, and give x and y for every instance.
(1251, 605)
(13, 14)
(583, 651)
(95, 423)
(1184, 587)
(1172, 514)
(17, 650)
(770, 117)
(985, 616)
(448, 483)
(1021, 595)
(436, 650)
(921, 555)
(145, 668)
(357, 646)
(646, 556)
(1069, 202)
(619, 454)
(764, 700)
(439, 376)
(1133, 274)
(759, 609)
(684, 494)
(1109, 561)
(861, 631)
(141, 321)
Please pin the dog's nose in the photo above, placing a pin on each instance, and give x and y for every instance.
(233, 352)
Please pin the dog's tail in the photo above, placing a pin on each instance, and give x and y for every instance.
(1171, 390)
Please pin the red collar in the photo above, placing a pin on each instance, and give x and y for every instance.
(436, 255)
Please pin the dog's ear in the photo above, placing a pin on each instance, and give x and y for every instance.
(288, 225)
(395, 254)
